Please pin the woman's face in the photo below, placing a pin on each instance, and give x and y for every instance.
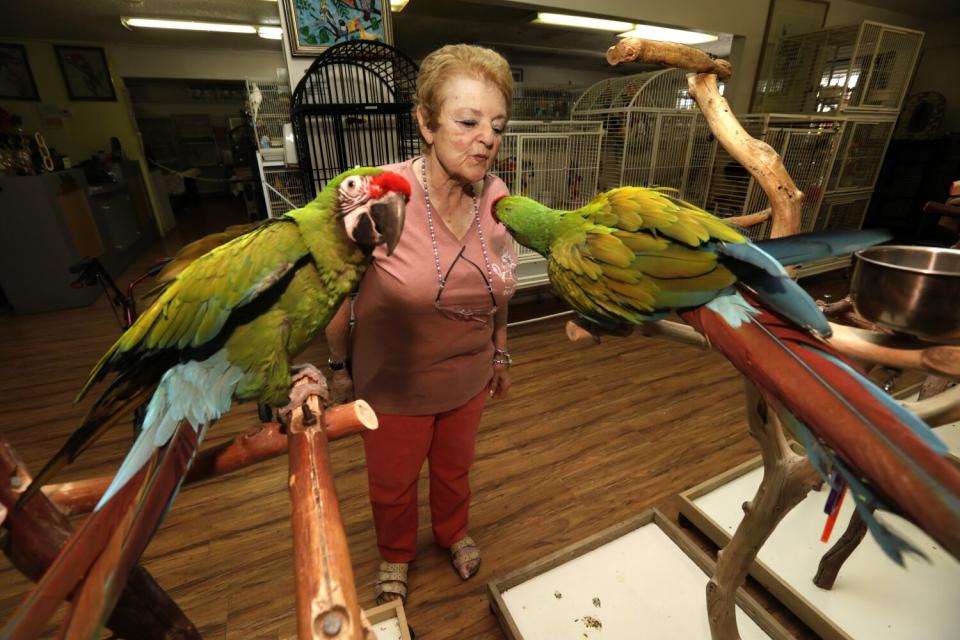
(469, 128)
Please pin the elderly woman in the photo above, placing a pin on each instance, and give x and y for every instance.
(429, 344)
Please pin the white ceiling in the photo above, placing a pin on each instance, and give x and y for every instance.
(423, 26)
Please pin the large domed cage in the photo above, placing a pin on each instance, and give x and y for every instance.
(354, 107)
(655, 134)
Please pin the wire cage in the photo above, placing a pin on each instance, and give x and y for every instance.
(861, 67)
(655, 135)
(354, 106)
(556, 163)
(844, 210)
(268, 105)
(807, 145)
(543, 102)
(861, 151)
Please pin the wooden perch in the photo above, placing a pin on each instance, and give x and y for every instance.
(749, 220)
(34, 536)
(259, 443)
(669, 54)
(894, 351)
(327, 604)
(757, 157)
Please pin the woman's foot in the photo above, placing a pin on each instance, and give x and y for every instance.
(465, 556)
(391, 582)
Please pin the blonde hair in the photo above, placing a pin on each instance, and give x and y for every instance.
(453, 60)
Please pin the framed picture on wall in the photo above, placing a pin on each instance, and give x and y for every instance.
(85, 72)
(314, 25)
(16, 78)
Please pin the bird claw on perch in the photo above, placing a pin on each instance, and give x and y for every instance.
(315, 385)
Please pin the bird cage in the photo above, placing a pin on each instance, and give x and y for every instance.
(555, 163)
(844, 210)
(543, 102)
(861, 151)
(655, 134)
(268, 104)
(861, 67)
(807, 145)
(354, 107)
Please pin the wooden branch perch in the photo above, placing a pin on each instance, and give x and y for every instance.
(757, 157)
(751, 219)
(327, 604)
(894, 351)
(34, 537)
(669, 54)
(259, 443)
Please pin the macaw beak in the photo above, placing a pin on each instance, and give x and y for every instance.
(387, 214)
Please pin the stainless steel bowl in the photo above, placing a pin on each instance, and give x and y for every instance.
(915, 290)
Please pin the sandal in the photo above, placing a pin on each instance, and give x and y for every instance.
(391, 581)
(464, 552)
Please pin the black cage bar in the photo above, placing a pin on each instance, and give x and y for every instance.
(354, 107)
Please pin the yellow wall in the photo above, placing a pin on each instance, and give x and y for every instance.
(88, 125)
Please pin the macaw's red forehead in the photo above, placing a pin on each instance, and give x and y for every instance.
(389, 181)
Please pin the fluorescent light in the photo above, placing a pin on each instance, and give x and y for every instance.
(155, 23)
(581, 22)
(270, 33)
(397, 5)
(679, 36)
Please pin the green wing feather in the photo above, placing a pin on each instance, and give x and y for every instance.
(194, 307)
(633, 251)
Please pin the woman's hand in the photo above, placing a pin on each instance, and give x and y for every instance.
(500, 382)
(341, 387)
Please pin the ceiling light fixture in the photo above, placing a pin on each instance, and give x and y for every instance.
(581, 22)
(270, 33)
(397, 5)
(664, 34)
(186, 25)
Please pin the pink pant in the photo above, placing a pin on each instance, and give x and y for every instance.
(395, 454)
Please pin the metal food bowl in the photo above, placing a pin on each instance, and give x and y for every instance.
(914, 290)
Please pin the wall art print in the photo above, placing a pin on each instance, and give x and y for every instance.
(319, 24)
(16, 78)
(85, 72)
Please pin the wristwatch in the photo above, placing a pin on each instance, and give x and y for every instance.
(337, 366)
(501, 357)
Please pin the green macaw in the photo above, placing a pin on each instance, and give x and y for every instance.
(634, 254)
(226, 328)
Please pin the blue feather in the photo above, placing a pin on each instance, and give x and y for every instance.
(863, 498)
(751, 254)
(807, 247)
(196, 391)
(918, 426)
(787, 298)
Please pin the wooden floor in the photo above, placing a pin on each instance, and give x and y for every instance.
(590, 435)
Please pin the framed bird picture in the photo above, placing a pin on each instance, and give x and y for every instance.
(314, 25)
(16, 78)
(85, 72)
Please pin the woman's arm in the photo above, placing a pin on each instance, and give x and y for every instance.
(338, 342)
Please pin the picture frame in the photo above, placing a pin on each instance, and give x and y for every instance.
(787, 18)
(315, 25)
(85, 72)
(16, 76)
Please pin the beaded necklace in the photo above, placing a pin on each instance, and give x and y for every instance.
(433, 233)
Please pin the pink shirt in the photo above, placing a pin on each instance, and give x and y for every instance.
(408, 358)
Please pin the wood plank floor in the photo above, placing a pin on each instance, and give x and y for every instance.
(590, 435)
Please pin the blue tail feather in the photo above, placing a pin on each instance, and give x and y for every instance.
(818, 245)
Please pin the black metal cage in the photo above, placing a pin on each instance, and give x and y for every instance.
(354, 107)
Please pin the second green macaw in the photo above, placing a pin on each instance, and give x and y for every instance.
(633, 254)
(225, 328)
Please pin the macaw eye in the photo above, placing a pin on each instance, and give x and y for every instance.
(352, 186)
